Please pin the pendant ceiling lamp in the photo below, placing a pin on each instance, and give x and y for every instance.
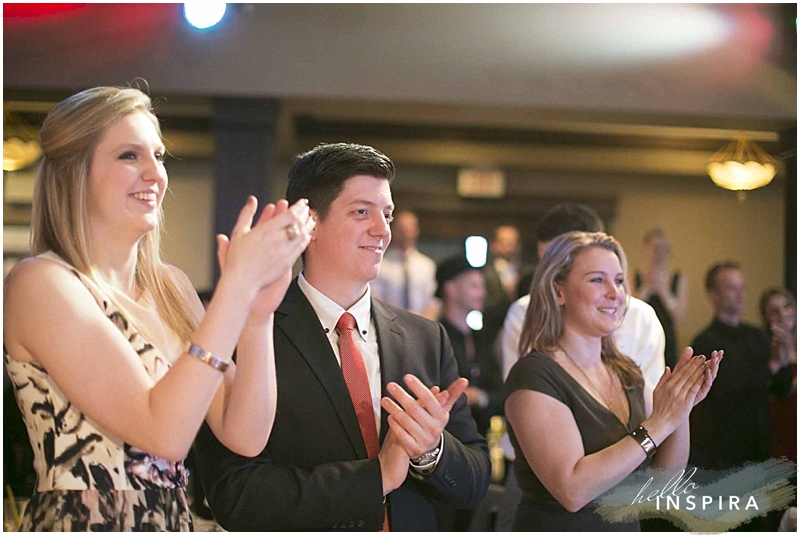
(21, 147)
(742, 166)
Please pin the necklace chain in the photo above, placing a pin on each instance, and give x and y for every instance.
(596, 389)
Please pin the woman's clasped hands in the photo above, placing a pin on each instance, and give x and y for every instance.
(680, 390)
(261, 256)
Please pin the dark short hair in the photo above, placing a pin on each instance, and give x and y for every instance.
(567, 217)
(711, 276)
(319, 174)
(449, 269)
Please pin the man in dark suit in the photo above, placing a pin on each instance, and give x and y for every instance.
(462, 290)
(334, 459)
(503, 271)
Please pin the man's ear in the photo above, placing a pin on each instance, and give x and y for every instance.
(313, 214)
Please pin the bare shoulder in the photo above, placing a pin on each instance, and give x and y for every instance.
(181, 280)
(38, 275)
(35, 290)
(177, 275)
(187, 290)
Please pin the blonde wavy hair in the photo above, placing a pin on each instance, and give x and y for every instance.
(544, 323)
(69, 137)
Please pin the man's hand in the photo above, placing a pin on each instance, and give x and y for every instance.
(394, 463)
(418, 423)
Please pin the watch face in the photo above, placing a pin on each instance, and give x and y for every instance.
(426, 458)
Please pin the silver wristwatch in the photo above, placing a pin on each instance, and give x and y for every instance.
(426, 459)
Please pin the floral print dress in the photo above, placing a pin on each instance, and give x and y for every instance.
(87, 478)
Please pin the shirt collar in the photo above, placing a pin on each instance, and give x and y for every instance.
(329, 312)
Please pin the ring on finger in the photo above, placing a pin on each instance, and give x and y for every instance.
(292, 231)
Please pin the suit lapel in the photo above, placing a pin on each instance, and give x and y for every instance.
(392, 351)
(296, 319)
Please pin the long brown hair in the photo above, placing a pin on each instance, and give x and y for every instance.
(769, 294)
(69, 136)
(544, 323)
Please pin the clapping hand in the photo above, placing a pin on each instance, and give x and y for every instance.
(394, 463)
(264, 254)
(710, 374)
(674, 397)
(418, 423)
(783, 344)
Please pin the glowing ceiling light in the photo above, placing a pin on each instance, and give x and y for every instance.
(741, 165)
(19, 154)
(203, 15)
(600, 35)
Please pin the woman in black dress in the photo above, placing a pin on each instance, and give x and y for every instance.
(779, 316)
(575, 405)
(666, 291)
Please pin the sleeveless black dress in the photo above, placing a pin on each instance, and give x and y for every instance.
(539, 510)
(670, 347)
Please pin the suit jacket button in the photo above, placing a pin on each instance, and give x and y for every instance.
(351, 524)
(360, 523)
(343, 525)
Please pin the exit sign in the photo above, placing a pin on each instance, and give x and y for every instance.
(481, 183)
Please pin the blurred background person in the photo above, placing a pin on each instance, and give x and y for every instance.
(503, 271)
(779, 315)
(733, 426)
(461, 289)
(407, 278)
(665, 290)
(575, 405)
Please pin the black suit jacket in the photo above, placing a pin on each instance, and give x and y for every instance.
(497, 302)
(314, 473)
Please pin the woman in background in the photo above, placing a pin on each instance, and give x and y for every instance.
(779, 315)
(96, 326)
(666, 291)
(575, 405)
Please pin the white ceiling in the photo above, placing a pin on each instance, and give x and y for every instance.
(687, 59)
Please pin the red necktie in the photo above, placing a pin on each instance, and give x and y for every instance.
(355, 376)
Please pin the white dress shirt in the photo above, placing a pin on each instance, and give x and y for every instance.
(640, 338)
(328, 313)
(390, 286)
